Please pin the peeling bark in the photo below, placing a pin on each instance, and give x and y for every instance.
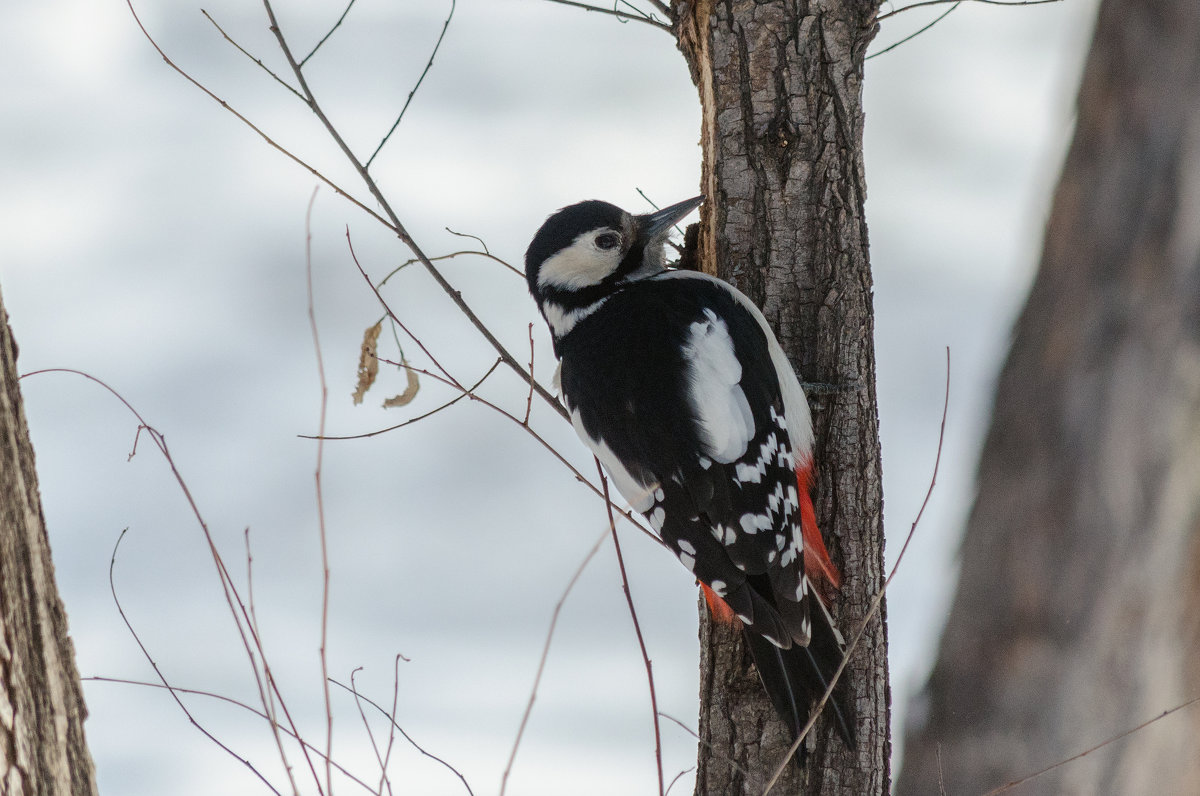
(780, 86)
(42, 748)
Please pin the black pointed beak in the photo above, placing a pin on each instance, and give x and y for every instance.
(653, 224)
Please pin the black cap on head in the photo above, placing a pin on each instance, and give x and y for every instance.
(563, 227)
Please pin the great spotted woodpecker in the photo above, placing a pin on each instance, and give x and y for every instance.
(677, 384)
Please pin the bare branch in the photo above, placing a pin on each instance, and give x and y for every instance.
(537, 678)
(412, 420)
(924, 3)
(230, 700)
(450, 256)
(350, 243)
(312, 320)
(258, 61)
(167, 685)
(912, 36)
(677, 777)
(650, 202)
(1088, 751)
(392, 718)
(233, 599)
(358, 703)
(274, 145)
(324, 38)
(416, 85)
(580, 477)
(482, 242)
(717, 753)
(387, 755)
(269, 704)
(946, 13)
(637, 627)
(396, 226)
(529, 398)
(621, 15)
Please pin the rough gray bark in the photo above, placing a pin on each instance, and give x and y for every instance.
(42, 748)
(1076, 611)
(781, 93)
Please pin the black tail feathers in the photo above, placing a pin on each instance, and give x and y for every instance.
(796, 678)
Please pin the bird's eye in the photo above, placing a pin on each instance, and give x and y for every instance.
(608, 240)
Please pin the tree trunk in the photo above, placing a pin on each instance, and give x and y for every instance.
(1075, 616)
(781, 93)
(42, 748)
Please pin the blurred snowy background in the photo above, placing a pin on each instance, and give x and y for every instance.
(152, 240)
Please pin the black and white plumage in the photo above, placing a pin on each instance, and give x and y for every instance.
(677, 384)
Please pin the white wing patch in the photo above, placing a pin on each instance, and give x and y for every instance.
(722, 411)
(639, 496)
(795, 404)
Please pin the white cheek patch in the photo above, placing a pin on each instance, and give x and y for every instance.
(579, 265)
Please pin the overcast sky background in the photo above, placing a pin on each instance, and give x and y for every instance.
(152, 240)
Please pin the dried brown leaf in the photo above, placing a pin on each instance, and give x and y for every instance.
(410, 391)
(368, 362)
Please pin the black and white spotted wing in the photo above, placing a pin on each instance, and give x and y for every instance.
(717, 481)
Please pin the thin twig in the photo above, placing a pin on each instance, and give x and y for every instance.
(875, 602)
(714, 750)
(270, 141)
(449, 256)
(316, 338)
(324, 38)
(924, 3)
(392, 220)
(650, 202)
(730, 761)
(621, 15)
(412, 420)
(482, 242)
(258, 61)
(158, 672)
(505, 356)
(642, 194)
(1086, 752)
(417, 85)
(383, 777)
(537, 678)
(233, 598)
(230, 700)
(678, 777)
(270, 701)
(625, 513)
(392, 315)
(392, 718)
(912, 36)
(387, 756)
(373, 187)
(637, 627)
(529, 398)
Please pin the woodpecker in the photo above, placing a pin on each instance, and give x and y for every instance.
(677, 384)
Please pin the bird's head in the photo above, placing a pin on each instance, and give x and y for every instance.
(585, 251)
